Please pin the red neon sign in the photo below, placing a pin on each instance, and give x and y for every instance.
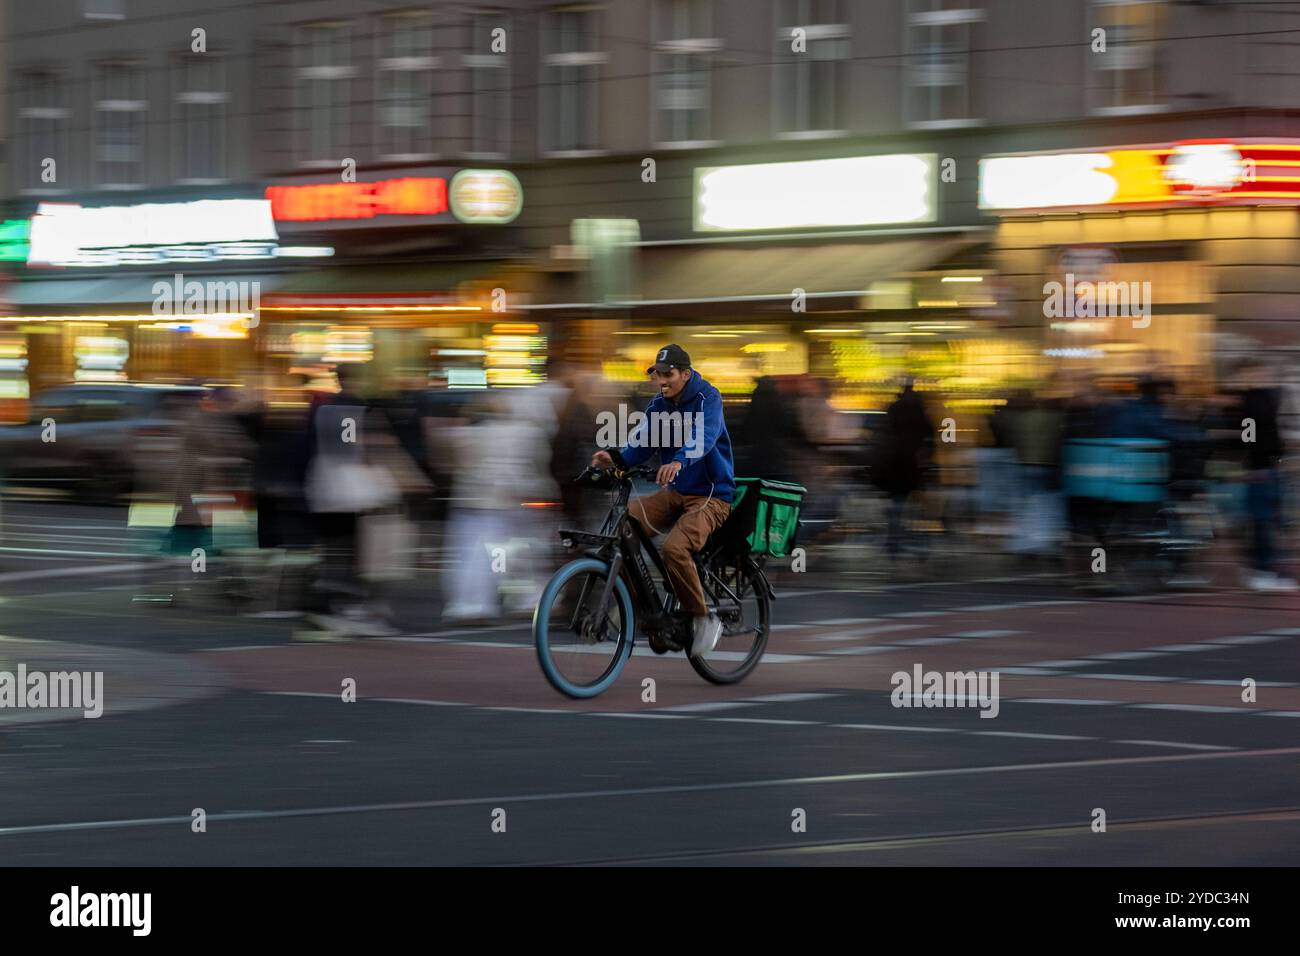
(414, 196)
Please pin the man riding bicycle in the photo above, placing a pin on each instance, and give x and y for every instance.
(684, 421)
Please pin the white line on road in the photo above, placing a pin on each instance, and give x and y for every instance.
(84, 569)
(789, 698)
(868, 631)
(1172, 743)
(705, 707)
(1195, 708)
(1082, 701)
(1012, 733)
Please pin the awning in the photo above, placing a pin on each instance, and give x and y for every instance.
(135, 289)
(679, 275)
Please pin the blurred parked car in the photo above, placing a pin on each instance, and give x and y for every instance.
(91, 439)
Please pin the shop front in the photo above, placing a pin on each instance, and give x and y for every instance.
(837, 270)
(424, 287)
(148, 292)
(1168, 258)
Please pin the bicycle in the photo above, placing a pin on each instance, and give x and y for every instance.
(590, 611)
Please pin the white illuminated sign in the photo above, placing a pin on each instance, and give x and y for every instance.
(1032, 182)
(857, 191)
(1205, 167)
(68, 234)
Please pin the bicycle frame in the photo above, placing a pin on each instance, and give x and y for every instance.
(623, 543)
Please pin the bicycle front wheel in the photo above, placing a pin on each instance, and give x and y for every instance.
(581, 653)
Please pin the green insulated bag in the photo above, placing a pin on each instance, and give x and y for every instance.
(765, 516)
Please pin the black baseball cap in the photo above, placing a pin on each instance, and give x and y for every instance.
(670, 356)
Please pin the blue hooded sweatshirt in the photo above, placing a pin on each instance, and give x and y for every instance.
(705, 446)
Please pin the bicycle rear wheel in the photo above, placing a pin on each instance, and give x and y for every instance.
(736, 588)
(580, 655)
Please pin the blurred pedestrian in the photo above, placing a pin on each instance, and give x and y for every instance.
(1264, 449)
(342, 485)
(903, 453)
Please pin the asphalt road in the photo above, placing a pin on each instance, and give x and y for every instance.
(1129, 706)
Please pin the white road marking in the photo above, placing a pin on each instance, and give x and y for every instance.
(868, 632)
(994, 633)
(1065, 663)
(1173, 743)
(762, 720)
(1149, 678)
(1012, 733)
(732, 785)
(1080, 701)
(1248, 639)
(839, 621)
(924, 730)
(705, 707)
(85, 569)
(1194, 708)
(1124, 656)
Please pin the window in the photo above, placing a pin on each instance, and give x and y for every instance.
(404, 71)
(201, 102)
(683, 50)
(1126, 77)
(939, 41)
(42, 123)
(810, 86)
(490, 79)
(324, 76)
(570, 71)
(120, 108)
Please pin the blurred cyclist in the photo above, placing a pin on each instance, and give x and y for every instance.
(684, 421)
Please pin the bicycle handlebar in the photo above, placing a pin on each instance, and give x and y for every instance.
(596, 475)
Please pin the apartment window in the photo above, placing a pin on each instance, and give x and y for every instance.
(940, 35)
(404, 71)
(324, 74)
(490, 85)
(571, 64)
(201, 103)
(42, 125)
(684, 46)
(120, 109)
(1126, 78)
(103, 9)
(809, 86)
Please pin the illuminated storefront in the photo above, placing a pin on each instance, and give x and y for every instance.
(837, 268)
(424, 286)
(1134, 259)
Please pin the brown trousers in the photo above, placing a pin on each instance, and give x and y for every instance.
(688, 521)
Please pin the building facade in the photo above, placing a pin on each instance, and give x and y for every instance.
(665, 156)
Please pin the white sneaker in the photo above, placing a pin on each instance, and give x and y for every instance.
(367, 623)
(707, 631)
(1275, 582)
(1255, 580)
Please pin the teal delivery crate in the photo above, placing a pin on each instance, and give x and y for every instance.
(1123, 470)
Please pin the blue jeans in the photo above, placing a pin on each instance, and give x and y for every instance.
(1264, 506)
